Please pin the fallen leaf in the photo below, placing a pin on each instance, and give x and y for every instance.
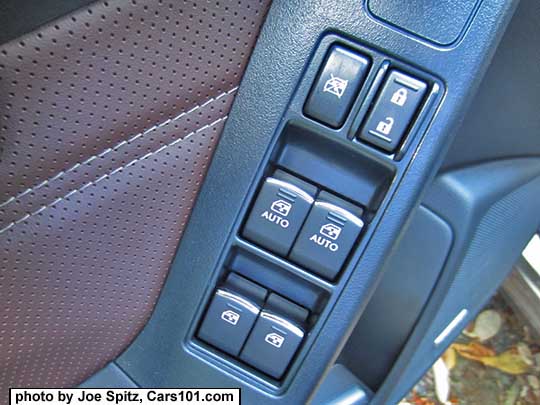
(487, 324)
(473, 350)
(510, 361)
(512, 394)
(442, 381)
(418, 400)
(533, 382)
(525, 352)
(524, 391)
(449, 358)
(469, 328)
(537, 362)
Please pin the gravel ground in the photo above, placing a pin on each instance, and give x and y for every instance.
(472, 383)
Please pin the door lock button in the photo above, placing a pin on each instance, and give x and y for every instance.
(396, 105)
(327, 236)
(336, 86)
(279, 212)
(230, 317)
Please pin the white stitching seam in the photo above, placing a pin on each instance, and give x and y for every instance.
(105, 176)
(115, 148)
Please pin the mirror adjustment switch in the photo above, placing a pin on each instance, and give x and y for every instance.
(275, 337)
(336, 86)
(279, 212)
(393, 111)
(327, 236)
(229, 320)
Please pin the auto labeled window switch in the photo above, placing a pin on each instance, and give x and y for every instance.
(336, 87)
(279, 212)
(275, 338)
(229, 319)
(328, 235)
(394, 109)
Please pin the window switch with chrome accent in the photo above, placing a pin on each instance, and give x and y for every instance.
(278, 333)
(336, 86)
(394, 109)
(328, 235)
(279, 212)
(232, 314)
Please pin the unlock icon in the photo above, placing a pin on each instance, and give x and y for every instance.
(399, 97)
(385, 126)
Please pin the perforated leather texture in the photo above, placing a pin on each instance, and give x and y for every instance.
(109, 118)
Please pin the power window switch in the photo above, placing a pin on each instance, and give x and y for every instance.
(327, 236)
(230, 317)
(279, 212)
(276, 337)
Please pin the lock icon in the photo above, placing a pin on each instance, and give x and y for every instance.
(384, 127)
(399, 97)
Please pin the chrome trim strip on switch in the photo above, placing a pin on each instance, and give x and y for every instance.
(236, 298)
(343, 212)
(283, 322)
(292, 187)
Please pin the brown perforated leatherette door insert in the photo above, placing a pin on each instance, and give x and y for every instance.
(109, 118)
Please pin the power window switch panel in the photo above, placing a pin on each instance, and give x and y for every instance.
(336, 86)
(228, 321)
(272, 343)
(391, 116)
(327, 237)
(279, 212)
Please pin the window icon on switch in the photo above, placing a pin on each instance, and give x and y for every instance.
(274, 339)
(281, 207)
(230, 316)
(330, 231)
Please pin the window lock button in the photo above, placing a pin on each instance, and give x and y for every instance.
(336, 86)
